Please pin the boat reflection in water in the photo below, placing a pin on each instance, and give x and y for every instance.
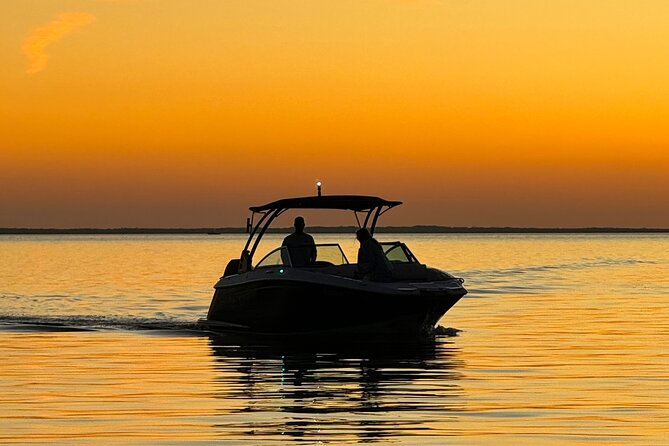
(339, 391)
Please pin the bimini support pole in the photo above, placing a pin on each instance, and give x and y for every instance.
(376, 217)
(272, 215)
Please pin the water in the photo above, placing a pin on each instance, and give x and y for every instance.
(563, 339)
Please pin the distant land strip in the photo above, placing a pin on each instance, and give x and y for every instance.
(420, 229)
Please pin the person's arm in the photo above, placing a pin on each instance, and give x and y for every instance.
(374, 258)
(363, 259)
(285, 255)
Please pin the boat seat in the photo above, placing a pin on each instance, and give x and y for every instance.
(232, 267)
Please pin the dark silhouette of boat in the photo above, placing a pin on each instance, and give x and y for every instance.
(328, 296)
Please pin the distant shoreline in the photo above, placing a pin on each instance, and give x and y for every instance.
(422, 229)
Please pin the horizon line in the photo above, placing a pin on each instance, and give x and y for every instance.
(433, 229)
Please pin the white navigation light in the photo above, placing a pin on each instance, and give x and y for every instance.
(318, 185)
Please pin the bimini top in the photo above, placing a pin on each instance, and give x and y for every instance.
(356, 203)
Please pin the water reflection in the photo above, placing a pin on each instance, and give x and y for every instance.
(336, 391)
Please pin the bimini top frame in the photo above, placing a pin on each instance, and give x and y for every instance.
(370, 207)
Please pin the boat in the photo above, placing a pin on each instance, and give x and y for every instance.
(328, 296)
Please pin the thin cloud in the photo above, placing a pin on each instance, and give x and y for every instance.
(35, 45)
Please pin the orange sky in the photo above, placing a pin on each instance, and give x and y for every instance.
(476, 113)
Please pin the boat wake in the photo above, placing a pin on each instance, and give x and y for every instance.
(129, 323)
(538, 279)
(94, 323)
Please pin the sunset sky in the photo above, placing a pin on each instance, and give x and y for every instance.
(474, 113)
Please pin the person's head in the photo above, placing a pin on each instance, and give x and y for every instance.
(362, 234)
(299, 224)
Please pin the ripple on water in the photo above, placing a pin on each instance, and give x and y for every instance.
(569, 346)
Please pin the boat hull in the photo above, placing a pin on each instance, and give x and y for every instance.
(293, 306)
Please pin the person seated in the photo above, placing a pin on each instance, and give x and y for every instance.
(372, 262)
(301, 246)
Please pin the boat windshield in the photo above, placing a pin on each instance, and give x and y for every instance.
(327, 254)
(397, 252)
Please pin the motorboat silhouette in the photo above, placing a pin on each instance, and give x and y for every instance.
(328, 295)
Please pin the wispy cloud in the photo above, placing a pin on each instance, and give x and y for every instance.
(35, 45)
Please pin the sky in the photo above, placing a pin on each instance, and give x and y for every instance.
(174, 113)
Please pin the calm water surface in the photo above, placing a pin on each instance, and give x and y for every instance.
(564, 340)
